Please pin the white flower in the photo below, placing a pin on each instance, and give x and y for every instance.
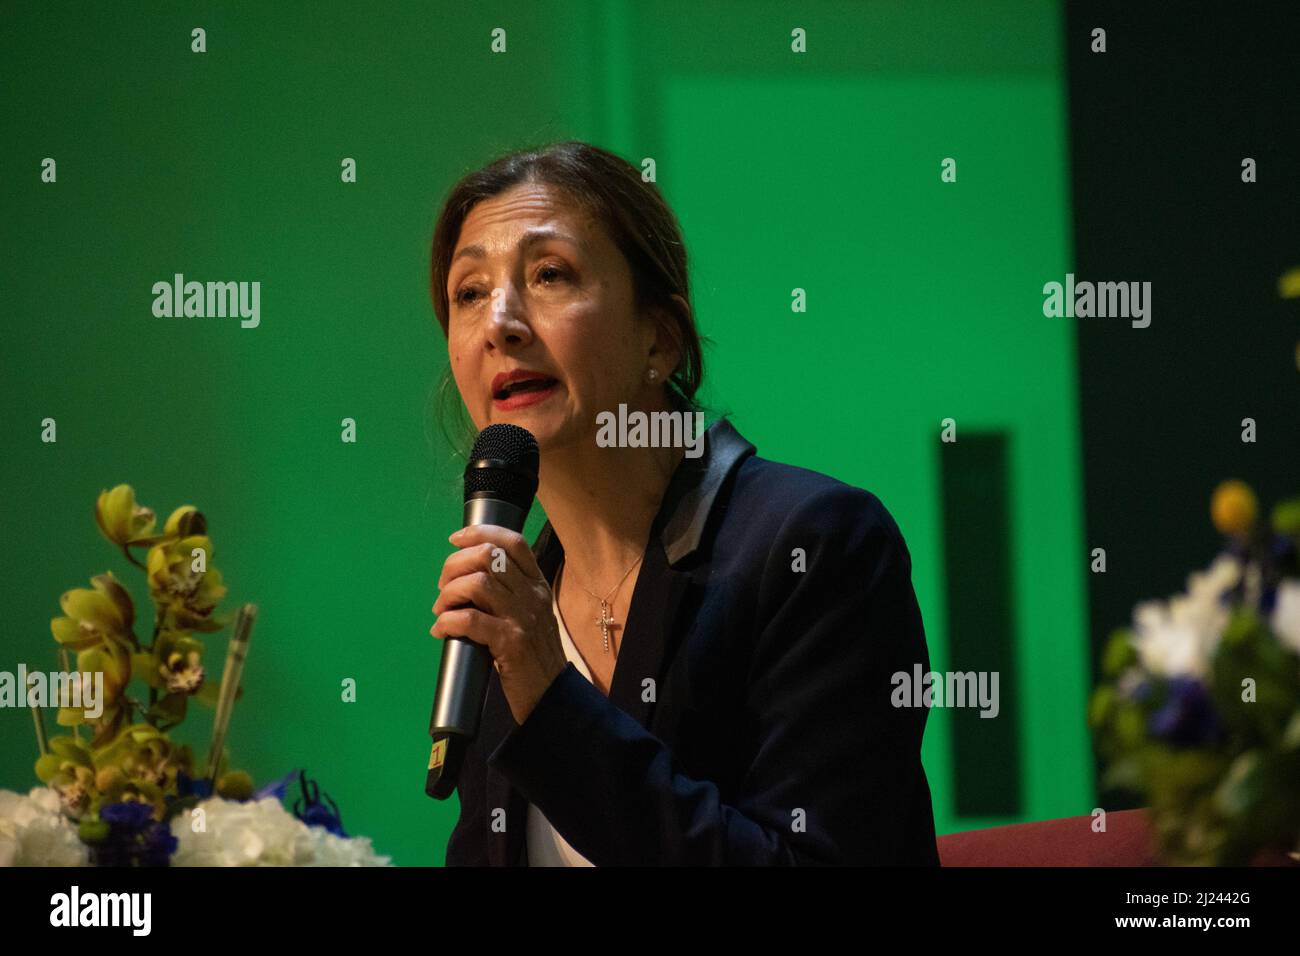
(34, 831)
(1180, 637)
(262, 833)
(1223, 574)
(1286, 614)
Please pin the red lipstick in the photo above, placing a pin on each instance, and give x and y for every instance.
(521, 387)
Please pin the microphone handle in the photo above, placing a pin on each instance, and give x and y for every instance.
(463, 673)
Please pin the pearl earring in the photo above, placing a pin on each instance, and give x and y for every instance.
(652, 375)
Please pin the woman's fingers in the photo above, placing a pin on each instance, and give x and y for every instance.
(486, 556)
(467, 622)
(466, 560)
(496, 572)
(483, 589)
(511, 542)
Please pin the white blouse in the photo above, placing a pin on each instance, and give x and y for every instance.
(545, 845)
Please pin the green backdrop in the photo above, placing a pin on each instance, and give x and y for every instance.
(818, 171)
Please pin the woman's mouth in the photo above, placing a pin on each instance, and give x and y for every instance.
(523, 391)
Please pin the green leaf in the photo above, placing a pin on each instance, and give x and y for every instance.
(1239, 790)
(208, 693)
(170, 709)
(92, 830)
(70, 749)
(1130, 726)
(1291, 738)
(209, 624)
(1119, 654)
(145, 667)
(1286, 517)
(1101, 706)
(1124, 773)
(47, 766)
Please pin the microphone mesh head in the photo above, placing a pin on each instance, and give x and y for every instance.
(508, 443)
(512, 476)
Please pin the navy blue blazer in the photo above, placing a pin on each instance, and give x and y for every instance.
(749, 719)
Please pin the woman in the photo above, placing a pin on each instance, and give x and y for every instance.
(693, 662)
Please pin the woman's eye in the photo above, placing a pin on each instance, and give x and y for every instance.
(550, 271)
(461, 296)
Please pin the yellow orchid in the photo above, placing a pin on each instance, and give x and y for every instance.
(176, 585)
(146, 764)
(119, 517)
(126, 760)
(76, 789)
(184, 521)
(115, 786)
(156, 761)
(110, 781)
(69, 769)
(140, 791)
(103, 615)
(114, 662)
(180, 663)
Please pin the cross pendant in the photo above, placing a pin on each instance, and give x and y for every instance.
(605, 621)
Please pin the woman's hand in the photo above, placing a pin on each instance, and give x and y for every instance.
(496, 572)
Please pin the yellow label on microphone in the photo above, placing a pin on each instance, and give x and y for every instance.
(438, 753)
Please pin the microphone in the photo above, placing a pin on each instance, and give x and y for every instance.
(500, 483)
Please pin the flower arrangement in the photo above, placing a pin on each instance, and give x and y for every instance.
(125, 793)
(1199, 706)
(34, 831)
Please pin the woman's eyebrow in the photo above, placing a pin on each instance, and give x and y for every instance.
(529, 238)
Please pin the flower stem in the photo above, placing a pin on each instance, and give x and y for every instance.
(66, 663)
(157, 628)
(42, 744)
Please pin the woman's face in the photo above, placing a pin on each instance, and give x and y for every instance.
(537, 286)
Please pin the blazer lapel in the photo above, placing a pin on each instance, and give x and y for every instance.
(648, 634)
(651, 634)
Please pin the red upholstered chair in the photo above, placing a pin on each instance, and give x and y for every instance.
(1128, 841)
(1069, 841)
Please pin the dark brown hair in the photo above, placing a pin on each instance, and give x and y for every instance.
(633, 213)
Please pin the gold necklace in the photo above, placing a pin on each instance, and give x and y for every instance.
(605, 620)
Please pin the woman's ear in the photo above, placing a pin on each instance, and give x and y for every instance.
(666, 350)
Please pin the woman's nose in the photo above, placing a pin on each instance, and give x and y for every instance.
(507, 324)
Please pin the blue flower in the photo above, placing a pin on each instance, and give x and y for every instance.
(277, 788)
(1188, 717)
(312, 810)
(134, 838)
(130, 814)
(187, 787)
